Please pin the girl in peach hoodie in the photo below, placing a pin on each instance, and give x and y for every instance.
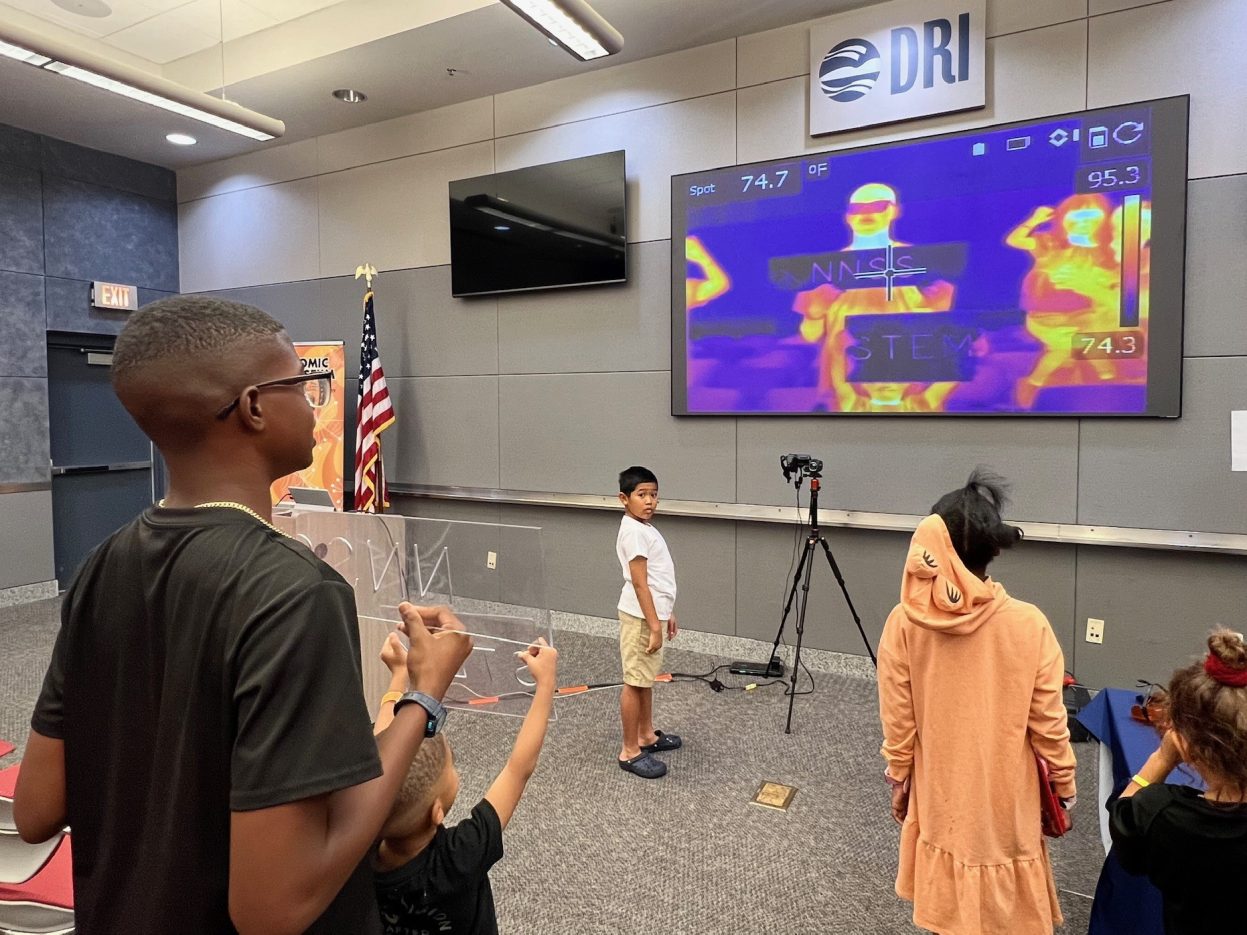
(970, 683)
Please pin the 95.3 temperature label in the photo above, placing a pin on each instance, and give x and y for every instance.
(1120, 175)
(1109, 345)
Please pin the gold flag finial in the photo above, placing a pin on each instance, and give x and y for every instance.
(368, 271)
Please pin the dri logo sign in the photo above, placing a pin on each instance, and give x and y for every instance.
(896, 61)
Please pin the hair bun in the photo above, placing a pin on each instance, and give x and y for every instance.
(1228, 647)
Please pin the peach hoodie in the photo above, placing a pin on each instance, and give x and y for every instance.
(970, 682)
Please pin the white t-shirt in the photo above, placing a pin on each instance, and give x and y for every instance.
(638, 539)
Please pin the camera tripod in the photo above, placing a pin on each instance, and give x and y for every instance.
(814, 537)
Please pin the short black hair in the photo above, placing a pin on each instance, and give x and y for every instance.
(632, 478)
(186, 327)
(973, 517)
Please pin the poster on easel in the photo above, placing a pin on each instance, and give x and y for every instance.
(325, 471)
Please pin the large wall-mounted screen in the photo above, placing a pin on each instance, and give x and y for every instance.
(1033, 268)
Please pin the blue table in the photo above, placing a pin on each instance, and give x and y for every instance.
(1125, 903)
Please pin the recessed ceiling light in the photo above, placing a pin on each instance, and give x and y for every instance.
(96, 8)
(350, 96)
(502, 227)
(181, 139)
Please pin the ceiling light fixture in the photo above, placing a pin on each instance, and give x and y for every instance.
(181, 139)
(350, 96)
(134, 83)
(572, 24)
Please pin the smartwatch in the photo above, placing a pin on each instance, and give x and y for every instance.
(433, 708)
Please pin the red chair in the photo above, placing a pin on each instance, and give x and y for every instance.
(43, 905)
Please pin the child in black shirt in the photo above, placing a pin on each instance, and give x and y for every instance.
(430, 878)
(1193, 845)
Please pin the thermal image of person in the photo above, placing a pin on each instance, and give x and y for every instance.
(1073, 287)
(871, 213)
(713, 281)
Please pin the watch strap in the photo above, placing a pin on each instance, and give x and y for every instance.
(433, 708)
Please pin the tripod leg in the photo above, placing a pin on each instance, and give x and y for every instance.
(808, 565)
(835, 570)
(807, 558)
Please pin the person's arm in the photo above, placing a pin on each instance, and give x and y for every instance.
(40, 805)
(39, 809)
(896, 713)
(1022, 237)
(394, 655)
(638, 569)
(1159, 765)
(1048, 722)
(504, 794)
(289, 861)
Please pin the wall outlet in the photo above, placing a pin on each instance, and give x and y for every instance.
(491, 560)
(1095, 630)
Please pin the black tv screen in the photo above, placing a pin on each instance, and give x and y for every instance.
(543, 227)
(1031, 268)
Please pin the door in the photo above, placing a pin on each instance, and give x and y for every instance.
(101, 460)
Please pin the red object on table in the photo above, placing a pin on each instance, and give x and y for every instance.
(6, 748)
(52, 886)
(8, 780)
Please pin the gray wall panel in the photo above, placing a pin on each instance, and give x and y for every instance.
(1043, 574)
(304, 307)
(19, 147)
(880, 465)
(23, 350)
(575, 432)
(70, 161)
(464, 511)
(1157, 608)
(446, 433)
(93, 232)
(26, 549)
(421, 330)
(582, 573)
(21, 220)
(24, 456)
(1172, 474)
(870, 562)
(606, 328)
(1216, 277)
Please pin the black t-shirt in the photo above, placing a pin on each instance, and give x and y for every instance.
(1193, 850)
(444, 890)
(205, 664)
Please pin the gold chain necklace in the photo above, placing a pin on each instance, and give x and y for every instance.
(231, 505)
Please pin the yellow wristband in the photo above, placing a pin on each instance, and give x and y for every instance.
(391, 697)
(1140, 781)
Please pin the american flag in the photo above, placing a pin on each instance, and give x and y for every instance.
(373, 415)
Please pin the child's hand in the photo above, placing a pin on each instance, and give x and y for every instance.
(542, 660)
(655, 641)
(672, 627)
(394, 654)
(1169, 747)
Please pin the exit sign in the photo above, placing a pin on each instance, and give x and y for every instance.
(115, 296)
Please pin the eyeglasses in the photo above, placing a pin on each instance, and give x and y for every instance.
(1151, 706)
(317, 387)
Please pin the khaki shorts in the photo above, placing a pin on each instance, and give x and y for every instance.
(639, 669)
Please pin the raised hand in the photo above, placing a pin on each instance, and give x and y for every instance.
(434, 657)
(542, 660)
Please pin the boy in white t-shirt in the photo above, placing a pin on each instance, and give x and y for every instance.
(646, 606)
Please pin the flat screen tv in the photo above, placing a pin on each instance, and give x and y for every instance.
(543, 227)
(1031, 268)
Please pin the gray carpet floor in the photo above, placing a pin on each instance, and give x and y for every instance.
(595, 851)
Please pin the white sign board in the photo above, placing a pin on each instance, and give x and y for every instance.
(897, 61)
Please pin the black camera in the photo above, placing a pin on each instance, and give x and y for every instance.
(800, 465)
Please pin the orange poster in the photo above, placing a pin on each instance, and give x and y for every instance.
(325, 471)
